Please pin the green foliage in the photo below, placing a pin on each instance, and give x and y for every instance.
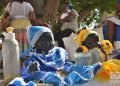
(1, 10)
(103, 4)
(80, 5)
(98, 7)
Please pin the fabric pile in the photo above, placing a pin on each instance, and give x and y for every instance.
(55, 67)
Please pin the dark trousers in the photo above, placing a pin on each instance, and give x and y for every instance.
(61, 34)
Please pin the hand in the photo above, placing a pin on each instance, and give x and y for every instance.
(33, 66)
(61, 73)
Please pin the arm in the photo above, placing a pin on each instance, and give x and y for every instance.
(71, 16)
(31, 70)
(32, 17)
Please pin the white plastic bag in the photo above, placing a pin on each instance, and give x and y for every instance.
(70, 46)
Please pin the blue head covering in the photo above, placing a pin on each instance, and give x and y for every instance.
(34, 32)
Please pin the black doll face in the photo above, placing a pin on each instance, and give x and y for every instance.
(91, 41)
(44, 43)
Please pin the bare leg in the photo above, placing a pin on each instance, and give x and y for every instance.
(111, 31)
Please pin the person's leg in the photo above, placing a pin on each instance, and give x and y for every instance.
(111, 31)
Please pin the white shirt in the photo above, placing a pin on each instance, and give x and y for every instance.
(111, 17)
(71, 25)
(115, 20)
(18, 10)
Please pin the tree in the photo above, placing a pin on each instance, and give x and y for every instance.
(49, 10)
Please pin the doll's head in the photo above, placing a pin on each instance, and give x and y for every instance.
(91, 41)
(40, 38)
(87, 38)
(44, 43)
(106, 48)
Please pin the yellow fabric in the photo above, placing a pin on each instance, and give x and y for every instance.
(79, 38)
(84, 49)
(107, 47)
(83, 35)
(108, 67)
(20, 23)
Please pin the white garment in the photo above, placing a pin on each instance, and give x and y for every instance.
(115, 20)
(111, 17)
(19, 10)
(71, 25)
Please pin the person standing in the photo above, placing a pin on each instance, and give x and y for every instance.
(21, 14)
(112, 22)
(69, 20)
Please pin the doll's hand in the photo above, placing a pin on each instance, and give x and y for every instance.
(82, 49)
(79, 50)
(33, 66)
(61, 73)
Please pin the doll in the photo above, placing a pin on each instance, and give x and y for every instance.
(88, 52)
(91, 48)
(87, 39)
(44, 56)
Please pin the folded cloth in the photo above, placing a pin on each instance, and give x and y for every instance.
(80, 74)
(20, 82)
(20, 23)
(107, 68)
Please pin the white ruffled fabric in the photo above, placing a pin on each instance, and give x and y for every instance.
(115, 20)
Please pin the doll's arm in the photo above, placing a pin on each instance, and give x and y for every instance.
(31, 71)
(33, 67)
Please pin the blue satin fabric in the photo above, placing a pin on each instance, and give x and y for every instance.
(51, 62)
(78, 74)
(21, 82)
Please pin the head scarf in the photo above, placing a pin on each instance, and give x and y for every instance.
(83, 35)
(34, 32)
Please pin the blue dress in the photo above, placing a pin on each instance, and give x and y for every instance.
(55, 60)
